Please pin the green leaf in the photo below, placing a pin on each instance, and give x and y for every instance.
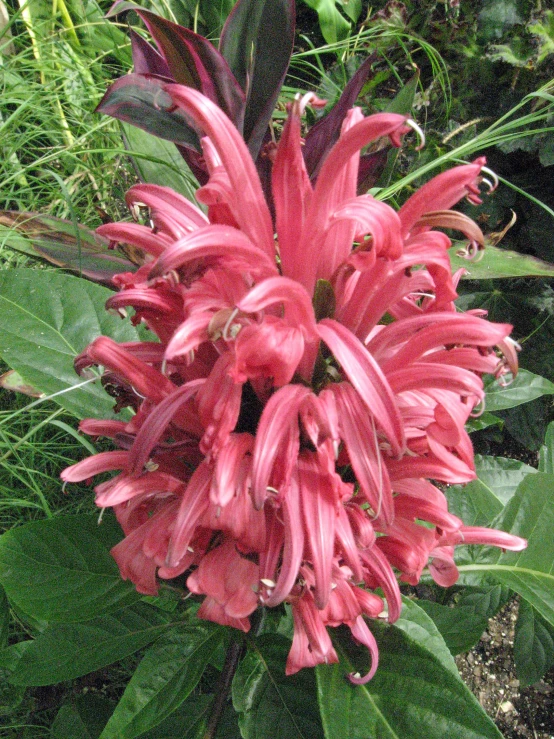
(474, 503)
(460, 626)
(63, 243)
(413, 694)
(66, 651)
(482, 422)
(165, 677)
(484, 601)
(4, 618)
(61, 569)
(47, 319)
(533, 645)
(333, 26)
(525, 387)
(502, 476)
(187, 722)
(498, 263)
(546, 456)
(158, 162)
(271, 704)
(82, 718)
(421, 627)
(529, 514)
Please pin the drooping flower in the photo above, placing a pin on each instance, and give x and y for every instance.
(310, 377)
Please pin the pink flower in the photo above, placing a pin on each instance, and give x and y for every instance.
(303, 388)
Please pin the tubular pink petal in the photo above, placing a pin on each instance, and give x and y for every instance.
(490, 537)
(145, 379)
(249, 207)
(366, 377)
(362, 445)
(190, 334)
(226, 479)
(194, 502)
(380, 570)
(135, 235)
(157, 422)
(166, 202)
(362, 634)
(319, 514)
(441, 193)
(126, 487)
(220, 243)
(277, 438)
(291, 189)
(95, 465)
(338, 240)
(296, 301)
(293, 546)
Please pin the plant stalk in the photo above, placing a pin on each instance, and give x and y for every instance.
(223, 687)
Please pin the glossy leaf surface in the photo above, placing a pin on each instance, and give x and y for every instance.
(60, 569)
(67, 651)
(47, 319)
(167, 674)
(271, 704)
(413, 694)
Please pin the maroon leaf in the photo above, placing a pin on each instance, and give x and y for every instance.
(141, 101)
(70, 246)
(257, 41)
(370, 169)
(192, 60)
(324, 134)
(146, 60)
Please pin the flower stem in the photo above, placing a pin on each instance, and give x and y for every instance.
(223, 687)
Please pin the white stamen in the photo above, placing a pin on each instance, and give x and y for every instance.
(190, 549)
(493, 177)
(151, 466)
(272, 490)
(228, 325)
(421, 136)
(267, 582)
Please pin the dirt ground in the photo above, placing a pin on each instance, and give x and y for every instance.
(489, 672)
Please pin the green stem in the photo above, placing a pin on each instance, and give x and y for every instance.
(223, 687)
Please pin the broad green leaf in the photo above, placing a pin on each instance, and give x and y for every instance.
(498, 263)
(333, 26)
(546, 456)
(13, 382)
(47, 319)
(66, 651)
(530, 573)
(165, 677)
(482, 422)
(187, 722)
(525, 387)
(64, 243)
(84, 717)
(501, 475)
(412, 695)
(4, 618)
(460, 626)
(421, 627)
(158, 161)
(61, 569)
(533, 645)
(272, 705)
(475, 503)
(484, 601)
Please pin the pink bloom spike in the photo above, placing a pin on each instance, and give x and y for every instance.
(248, 206)
(367, 378)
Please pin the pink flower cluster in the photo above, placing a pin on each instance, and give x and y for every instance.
(311, 374)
